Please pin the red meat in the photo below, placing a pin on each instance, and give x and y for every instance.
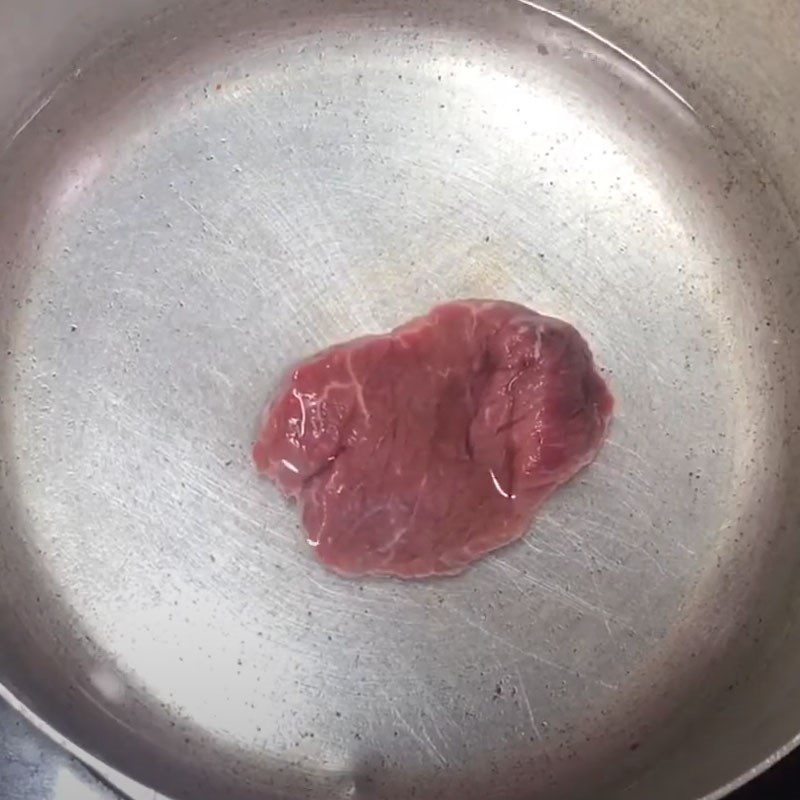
(416, 452)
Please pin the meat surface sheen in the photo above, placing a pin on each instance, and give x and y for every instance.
(416, 452)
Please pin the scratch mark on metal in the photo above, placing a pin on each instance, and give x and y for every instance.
(423, 740)
(524, 692)
(564, 595)
(205, 220)
(40, 106)
(599, 599)
(528, 654)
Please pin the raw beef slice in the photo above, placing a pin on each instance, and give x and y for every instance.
(416, 452)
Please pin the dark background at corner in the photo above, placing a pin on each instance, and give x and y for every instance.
(781, 782)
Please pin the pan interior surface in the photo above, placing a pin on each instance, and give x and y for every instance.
(223, 192)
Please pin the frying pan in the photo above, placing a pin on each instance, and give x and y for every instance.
(193, 195)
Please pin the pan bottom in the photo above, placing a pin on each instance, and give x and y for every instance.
(215, 197)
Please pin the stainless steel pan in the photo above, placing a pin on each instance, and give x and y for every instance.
(194, 194)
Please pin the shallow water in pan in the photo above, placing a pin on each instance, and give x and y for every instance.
(207, 202)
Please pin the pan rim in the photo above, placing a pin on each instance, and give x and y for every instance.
(112, 774)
